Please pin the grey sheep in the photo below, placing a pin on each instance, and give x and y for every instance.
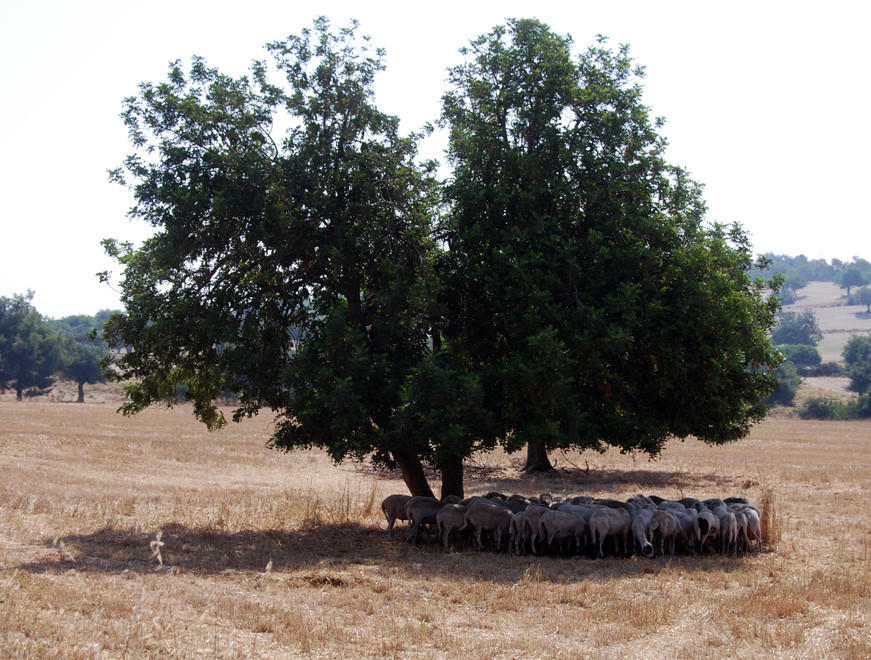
(421, 510)
(450, 517)
(558, 525)
(487, 516)
(393, 507)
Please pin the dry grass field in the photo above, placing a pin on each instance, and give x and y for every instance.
(149, 537)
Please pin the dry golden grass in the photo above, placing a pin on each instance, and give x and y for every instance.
(148, 537)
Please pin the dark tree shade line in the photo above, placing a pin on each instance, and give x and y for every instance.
(561, 289)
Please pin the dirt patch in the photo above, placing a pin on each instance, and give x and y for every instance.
(835, 384)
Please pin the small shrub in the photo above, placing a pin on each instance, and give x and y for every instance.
(825, 369)
(789, 382)
(819, 407)
(801, 355)
(858, 409)
(787, 297)
(828, 408)
(857, 357)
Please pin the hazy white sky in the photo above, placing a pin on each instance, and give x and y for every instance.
(767, 104)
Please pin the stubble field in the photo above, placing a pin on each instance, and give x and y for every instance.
(149, 537)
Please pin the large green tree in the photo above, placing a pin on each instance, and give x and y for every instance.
(570, 297)
(296, 270)
(31, 352)
(585, 288)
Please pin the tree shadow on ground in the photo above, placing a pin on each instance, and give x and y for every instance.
(592, 481)
(587, 480)
(331, 554)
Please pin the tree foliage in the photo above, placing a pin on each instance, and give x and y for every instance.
(84, 347)
(598, 307)
(857, 358)
(812, 270)
(797, 328)
(563, 292)
(788, 382)
(31, 353)
(863, 297)
(852, 275)
(296, 271)
(802, 356)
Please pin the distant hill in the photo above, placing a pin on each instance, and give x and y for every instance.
(836, 319)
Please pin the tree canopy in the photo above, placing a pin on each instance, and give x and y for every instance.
(31, 353)
(295, 271)
(797, 328)
(84, 347)
(584, 282)
(857, 358)
(863, 297)
(561, 289)
(851, 276)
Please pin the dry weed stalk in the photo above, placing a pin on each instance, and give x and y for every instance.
(772, 530)
(156, 545)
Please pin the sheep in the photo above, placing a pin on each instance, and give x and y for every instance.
(641, 500)
(583, 511)
(495, 501)
(692, 503)
(708, 527)
(610, 522)
(688, 533)
(728, 530)
(517, 536)
(517, 503)
(393, 507)
(449, 518)
(421, 510)
(530, 524)
(656, 525)
(488, 516)
(664, 526)
(741, 539)
(753, 528)
(671, 505)
(560, 525)
(639, 526)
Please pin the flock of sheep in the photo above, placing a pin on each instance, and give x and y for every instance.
(647, 524)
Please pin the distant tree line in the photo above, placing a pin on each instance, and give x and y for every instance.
(35, 351)
(800, 270)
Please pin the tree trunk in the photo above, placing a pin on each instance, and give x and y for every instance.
(452, 477)
(412, 472)
(81, 393)
(536, 459)
(19, 393)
